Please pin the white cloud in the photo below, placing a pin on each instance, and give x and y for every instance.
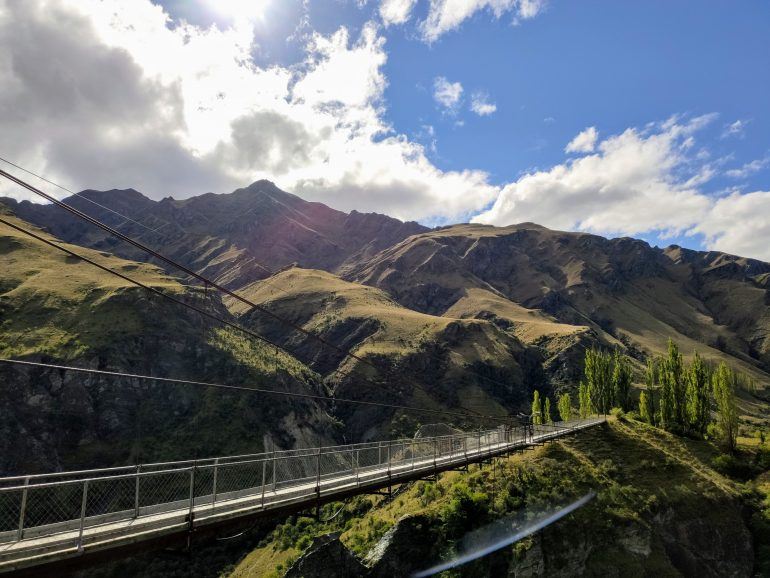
(480, 104)
(632, 184)
(396, 11)
(739, 224)
(446, 15)
(749, 168)
(584, 142)
(105, 94)
(447, 94)
(735, 129)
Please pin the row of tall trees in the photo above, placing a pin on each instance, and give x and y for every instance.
(541, 409)
(606, 383)
(681, 397)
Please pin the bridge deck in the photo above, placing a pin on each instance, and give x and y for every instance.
(120, 526)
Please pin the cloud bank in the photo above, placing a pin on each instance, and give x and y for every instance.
(107, 94)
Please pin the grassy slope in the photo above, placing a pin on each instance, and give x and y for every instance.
(642, 476)
(328, 306)
(52, 296)
(59, 309)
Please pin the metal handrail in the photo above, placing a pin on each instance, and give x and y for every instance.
(104, 495)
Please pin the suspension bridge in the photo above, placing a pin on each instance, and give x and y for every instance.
(58, 518)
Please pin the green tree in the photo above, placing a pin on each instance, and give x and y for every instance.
(565, 407)
(537, 408)
(621, 380)
(673, 400)
(598, 378)
(646, 411)
(698, 396)
(651, 380)
(547, 410)
(584, 401)
(723, 386)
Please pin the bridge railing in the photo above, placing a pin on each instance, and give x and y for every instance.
(48, 504)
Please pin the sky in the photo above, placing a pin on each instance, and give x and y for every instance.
(640, 118)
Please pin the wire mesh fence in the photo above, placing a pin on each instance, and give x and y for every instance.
(58, 503)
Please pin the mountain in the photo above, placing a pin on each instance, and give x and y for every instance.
(234, 238)
(551, 286)
(467, 317)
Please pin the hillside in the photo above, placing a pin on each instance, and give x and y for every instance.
(458, 363)
(661, 509)
(56, 309)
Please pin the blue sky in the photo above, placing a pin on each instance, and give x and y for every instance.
(367, 113)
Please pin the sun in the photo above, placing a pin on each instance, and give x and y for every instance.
(240, 9)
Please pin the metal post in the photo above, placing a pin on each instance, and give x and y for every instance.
(412, 448)
(465, 448)
(136, 491)
(435, 444)
(83, 515)
(389, 442)
(192, 494)
(264, 473)
(274, 469)
(23, 508)
(214, 483)
(318, 472)
(357, 462)
(379, 452)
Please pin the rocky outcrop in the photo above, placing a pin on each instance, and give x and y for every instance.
(327, 557)
(407, 547)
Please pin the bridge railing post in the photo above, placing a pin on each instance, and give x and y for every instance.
(192, 494)
(411, 447)
(23, 509)
(435, 450)
(275, 480)
(83, 506)
(215, 480)
(318, 472)
(136, 490)
(264, 479)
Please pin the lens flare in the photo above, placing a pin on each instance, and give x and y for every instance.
(495, 536)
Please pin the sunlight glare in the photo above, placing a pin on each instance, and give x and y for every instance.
(240, 9)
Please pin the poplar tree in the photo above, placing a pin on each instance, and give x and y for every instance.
(673, 401)
(723, 386)
(651, 380)
(645, 408)
(584, 401)
(537, 408)
(598, 377)
(621, 380)
(698, 402)
(547, 410)
(565, 407)
(671, 376)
